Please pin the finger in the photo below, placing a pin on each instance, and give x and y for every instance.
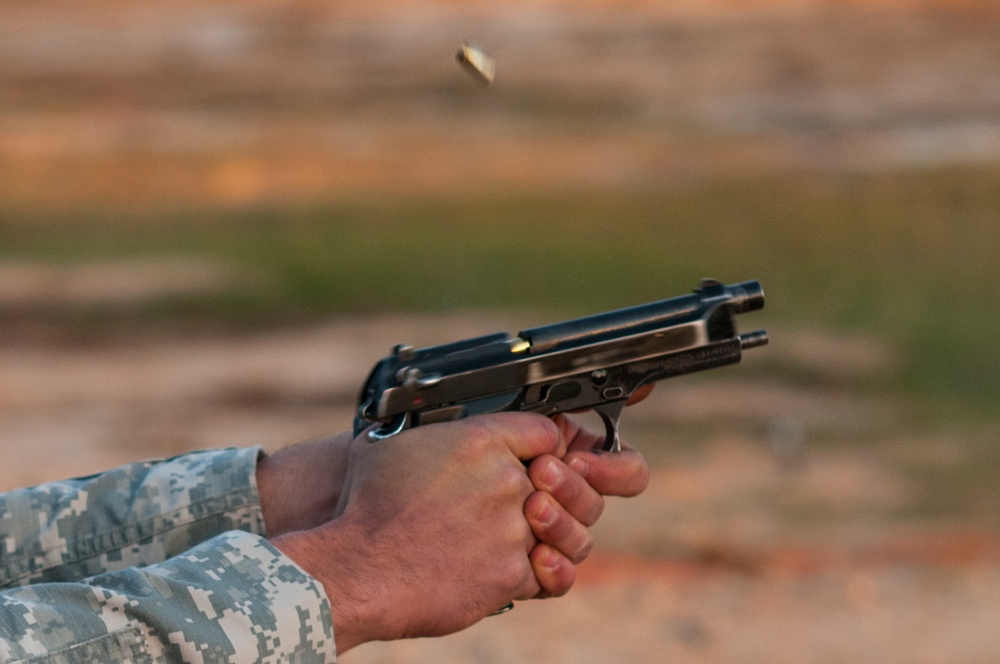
(528, 435)
(554, 526)
(622, 473)
(640, 393)
(568, 487)
(555, 573)
(514, 563)
(577, 437)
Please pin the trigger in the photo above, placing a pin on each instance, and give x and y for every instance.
(389, 430)
(611, 415)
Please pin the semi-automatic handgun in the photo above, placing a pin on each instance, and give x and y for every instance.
(591, 363)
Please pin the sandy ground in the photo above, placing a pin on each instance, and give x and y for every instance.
(752, 544)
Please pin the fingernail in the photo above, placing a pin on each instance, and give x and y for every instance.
(552, 474)
(546, 513)
(579, 466)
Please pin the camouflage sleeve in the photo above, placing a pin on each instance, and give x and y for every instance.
(136, 515)
(232, 599)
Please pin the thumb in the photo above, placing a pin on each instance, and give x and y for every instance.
(527, 435)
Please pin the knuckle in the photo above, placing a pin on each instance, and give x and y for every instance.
(513, 481)
(515, 575)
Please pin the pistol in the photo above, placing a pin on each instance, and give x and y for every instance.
(592, 363)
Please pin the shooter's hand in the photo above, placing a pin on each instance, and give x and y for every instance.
(432, 535)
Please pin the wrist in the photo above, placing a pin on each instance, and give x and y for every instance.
(299, 486)
(338, 557)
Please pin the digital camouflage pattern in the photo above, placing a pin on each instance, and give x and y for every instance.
(154, 562)
(137, 515)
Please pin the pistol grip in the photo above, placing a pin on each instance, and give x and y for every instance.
(611, 415)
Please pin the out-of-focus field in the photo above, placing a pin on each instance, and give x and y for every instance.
(215, 216)
(179, 102)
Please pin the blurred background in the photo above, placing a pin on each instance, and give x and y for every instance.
(215, 216)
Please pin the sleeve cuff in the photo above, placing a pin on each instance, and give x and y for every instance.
(233, 598)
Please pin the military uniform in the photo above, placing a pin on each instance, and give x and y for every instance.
(162, 561)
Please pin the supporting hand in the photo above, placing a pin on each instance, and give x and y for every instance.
(432, 536)
(570, 498)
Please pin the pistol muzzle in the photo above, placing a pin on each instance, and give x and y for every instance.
(747, 296)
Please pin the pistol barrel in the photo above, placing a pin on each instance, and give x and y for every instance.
(753, 339)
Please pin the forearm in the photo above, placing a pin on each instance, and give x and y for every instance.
(136, 515)
(234, 598)
(144, 513)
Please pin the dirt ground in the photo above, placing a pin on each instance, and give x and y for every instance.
(761, 537)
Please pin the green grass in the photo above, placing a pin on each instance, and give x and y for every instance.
(910, 257)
